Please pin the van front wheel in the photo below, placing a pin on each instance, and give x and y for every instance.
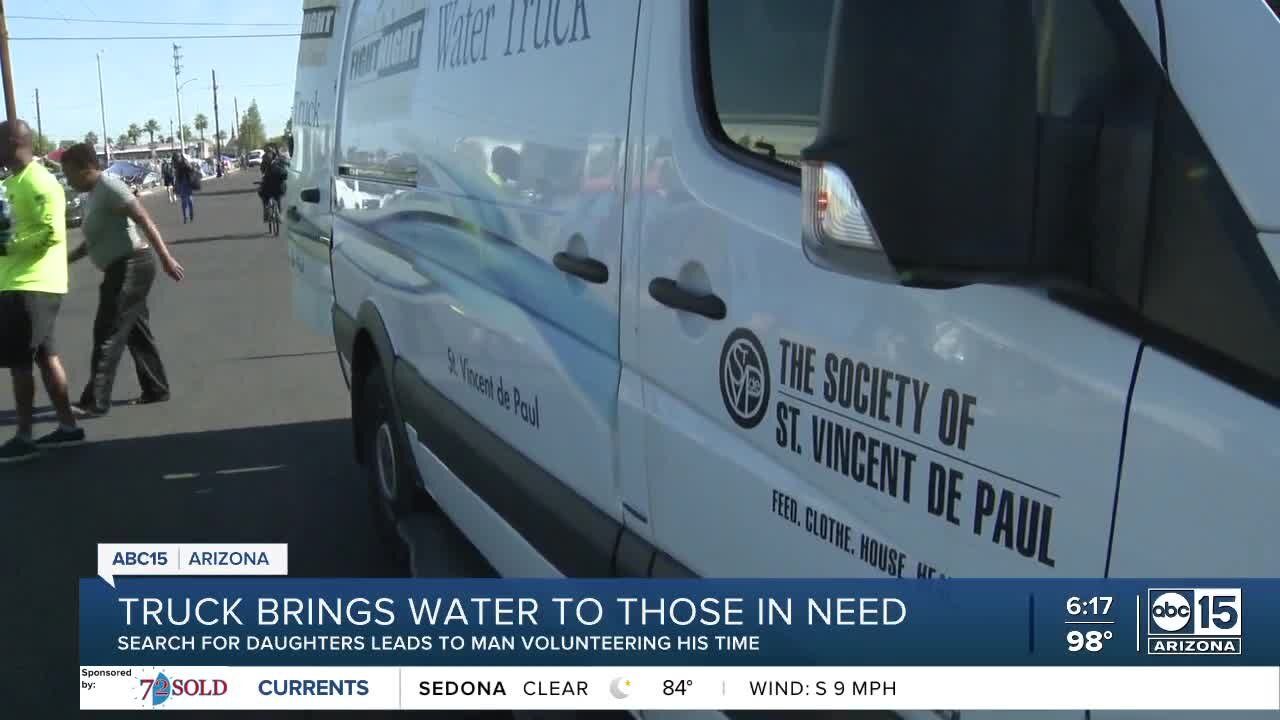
(387, 465)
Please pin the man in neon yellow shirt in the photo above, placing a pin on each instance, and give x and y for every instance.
(33, 280)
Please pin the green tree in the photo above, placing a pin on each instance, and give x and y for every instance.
(185, 134)
(63, 145)
(252, 134)
(91, 137)
(222, 135)
(122, 140)
(202, 123)
(42, 145)
(134, 132)
(151, 128)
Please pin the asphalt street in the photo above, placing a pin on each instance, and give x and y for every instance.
(254, 446)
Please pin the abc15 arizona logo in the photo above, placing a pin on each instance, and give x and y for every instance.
(1194, 621)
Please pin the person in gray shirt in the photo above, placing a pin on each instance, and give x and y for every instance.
(112, 220)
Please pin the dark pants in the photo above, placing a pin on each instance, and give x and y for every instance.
(123, 322)
(265, 193)
(188, 205)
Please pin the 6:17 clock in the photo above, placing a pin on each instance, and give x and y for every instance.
(1095, 606)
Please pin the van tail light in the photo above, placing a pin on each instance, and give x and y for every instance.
(833, 213)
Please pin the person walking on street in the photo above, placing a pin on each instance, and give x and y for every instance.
(166, 174)
(128, 263)
(185, 182)
(33, 281)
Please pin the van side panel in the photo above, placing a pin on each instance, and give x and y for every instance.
(1219, 444)
(481, 153)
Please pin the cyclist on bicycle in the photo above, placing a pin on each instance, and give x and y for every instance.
(274, 174)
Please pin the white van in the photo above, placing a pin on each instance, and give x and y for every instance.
(843, 289)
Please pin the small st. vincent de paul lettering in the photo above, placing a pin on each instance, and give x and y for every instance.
(465, 31)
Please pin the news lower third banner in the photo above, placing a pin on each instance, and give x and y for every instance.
(286, 643)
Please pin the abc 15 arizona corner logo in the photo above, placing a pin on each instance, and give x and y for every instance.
(1194, 621)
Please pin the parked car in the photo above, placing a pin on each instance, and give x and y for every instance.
(75, 198)
(75, 204)
(255, 158)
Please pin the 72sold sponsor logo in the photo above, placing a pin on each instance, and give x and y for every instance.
(161, 688)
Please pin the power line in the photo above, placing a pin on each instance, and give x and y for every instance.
(158, 37)
(233, 86)
(150, 22)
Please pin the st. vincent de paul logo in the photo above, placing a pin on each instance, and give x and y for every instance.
(744, 378)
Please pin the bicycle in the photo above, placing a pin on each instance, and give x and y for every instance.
(273, 217)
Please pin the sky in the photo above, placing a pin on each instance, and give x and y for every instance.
(137, 75)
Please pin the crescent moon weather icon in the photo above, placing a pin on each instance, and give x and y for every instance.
(620, 688)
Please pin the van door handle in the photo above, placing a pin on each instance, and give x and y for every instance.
(667, 292)
(593, 271)
(310, 195)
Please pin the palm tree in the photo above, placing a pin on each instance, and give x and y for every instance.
(134, 132)
(91, 137)
(201, 123)
(184, 135)
(122, 140)
(222, 136)
(151, 128)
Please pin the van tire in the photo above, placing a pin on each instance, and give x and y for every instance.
(388, 466)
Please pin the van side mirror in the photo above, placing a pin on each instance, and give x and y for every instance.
(924, 167)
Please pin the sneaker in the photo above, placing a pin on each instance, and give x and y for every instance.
(62, 437)
(82, 410)
(17, 450)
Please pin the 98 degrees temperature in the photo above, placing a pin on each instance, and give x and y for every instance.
(1087, 640)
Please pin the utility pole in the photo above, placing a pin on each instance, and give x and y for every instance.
(10, 103)
(235, 101)
(177, 93)
(39, 125)
(102, 103)
(217, 133)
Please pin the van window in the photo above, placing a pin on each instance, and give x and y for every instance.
(765, 59)
(1208, 279)
(379, 87)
